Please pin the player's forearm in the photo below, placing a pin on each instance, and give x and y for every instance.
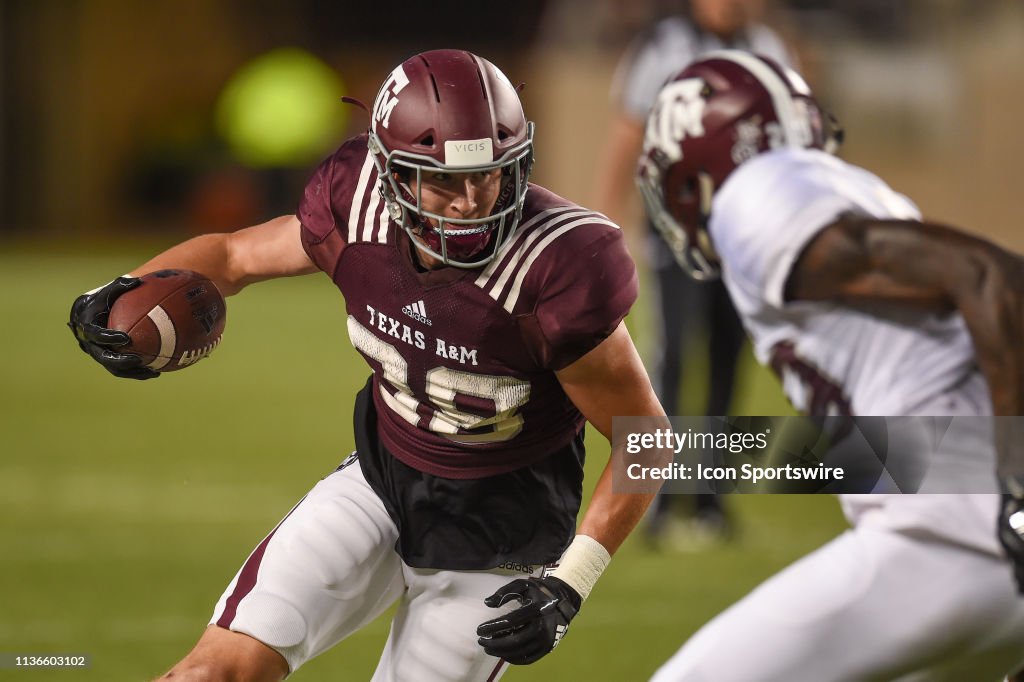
(235, 260)
(992, 305)
(939, 269)
(611, 517)
(984, 283)
(208, 254)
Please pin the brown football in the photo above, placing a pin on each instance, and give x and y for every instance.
(175, 318)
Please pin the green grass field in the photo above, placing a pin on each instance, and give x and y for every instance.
(127, 506)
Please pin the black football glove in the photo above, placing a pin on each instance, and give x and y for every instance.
(88, 322)
(528, 633)
(1011, 534)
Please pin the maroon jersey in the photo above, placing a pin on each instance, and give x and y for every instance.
(464, 360)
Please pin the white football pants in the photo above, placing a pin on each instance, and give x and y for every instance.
(876, 603)
(330, 567)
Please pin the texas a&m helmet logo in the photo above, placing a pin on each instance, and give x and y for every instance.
(387, 98)
(677, 114)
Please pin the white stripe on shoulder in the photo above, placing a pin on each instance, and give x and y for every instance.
(524, 248)
(552, 235)
(357, 199)
(372, 209)
(382, 225)
(514, 245)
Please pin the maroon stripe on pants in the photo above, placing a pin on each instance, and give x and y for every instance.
(247, 577)
(497, 669)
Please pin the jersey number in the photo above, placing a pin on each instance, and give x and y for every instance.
(443, 386)
(809, 389)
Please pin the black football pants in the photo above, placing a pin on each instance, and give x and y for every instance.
(689, 311)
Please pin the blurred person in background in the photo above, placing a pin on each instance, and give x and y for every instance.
(686, 308)
(490, 313)
(862, 308)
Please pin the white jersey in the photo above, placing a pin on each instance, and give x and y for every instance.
(670, 45)
(838, 360)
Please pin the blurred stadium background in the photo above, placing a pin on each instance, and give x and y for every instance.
(125, 127)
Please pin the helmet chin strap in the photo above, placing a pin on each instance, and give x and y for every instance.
(835, 136)
(705, 251)
(357, 103)
(706, 186)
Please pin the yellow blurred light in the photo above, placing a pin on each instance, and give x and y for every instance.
(282, 109)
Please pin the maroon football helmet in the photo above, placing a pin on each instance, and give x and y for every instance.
(718, 112)
(450, 110)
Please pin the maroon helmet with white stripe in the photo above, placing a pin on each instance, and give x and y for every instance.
(718, 112)
(453, 111)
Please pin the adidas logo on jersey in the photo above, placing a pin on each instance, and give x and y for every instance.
(417, 312)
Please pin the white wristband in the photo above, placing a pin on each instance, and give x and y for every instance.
(582, 564)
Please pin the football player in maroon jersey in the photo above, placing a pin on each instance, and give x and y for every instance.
(491, 313)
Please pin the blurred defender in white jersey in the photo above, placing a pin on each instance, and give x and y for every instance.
(862, 309)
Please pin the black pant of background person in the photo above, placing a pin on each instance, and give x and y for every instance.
(686, 307)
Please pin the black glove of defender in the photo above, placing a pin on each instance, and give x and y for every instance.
(1011, 535)
(88, 323)
(528, 633)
